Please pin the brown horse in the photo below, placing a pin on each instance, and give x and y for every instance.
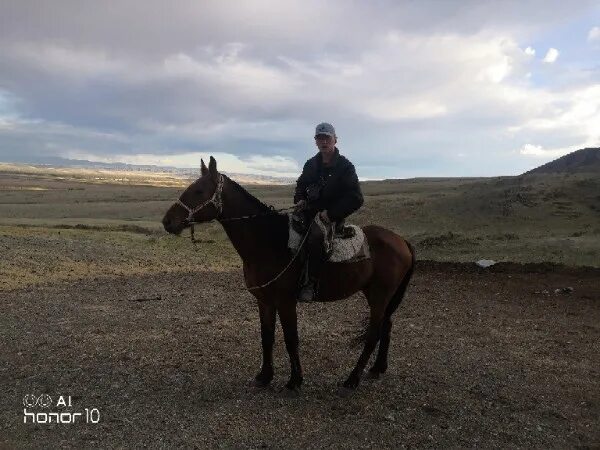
(260, 236)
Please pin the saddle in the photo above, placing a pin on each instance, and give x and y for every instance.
(344, 243)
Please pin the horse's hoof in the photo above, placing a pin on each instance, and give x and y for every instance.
(376, 371)
(261, 384)
(293, 383)
(345, 392)
(379, 367)
(372, 375)
(352, 382)
(291, 392)
(261, 380)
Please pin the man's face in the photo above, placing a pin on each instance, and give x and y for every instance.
(325, 143)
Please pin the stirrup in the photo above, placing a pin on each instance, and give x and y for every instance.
(307, 292)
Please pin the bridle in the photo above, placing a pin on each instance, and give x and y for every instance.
(216, 200)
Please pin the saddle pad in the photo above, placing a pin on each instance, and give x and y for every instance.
(339, 249)
(294, 238)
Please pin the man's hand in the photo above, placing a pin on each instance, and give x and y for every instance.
(324, 216)
(300, 205)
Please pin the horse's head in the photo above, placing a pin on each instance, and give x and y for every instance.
(200, 202)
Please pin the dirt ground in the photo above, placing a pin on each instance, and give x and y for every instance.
(478, 357)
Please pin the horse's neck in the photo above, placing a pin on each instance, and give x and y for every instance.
(253, 238)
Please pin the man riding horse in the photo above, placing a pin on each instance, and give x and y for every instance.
(328, 187)
(261, 239)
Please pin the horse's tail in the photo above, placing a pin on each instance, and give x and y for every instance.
(399, 294)
(394, 302)
(361, 336)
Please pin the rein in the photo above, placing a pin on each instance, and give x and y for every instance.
(286, 267)
(272, 212)
(217, 201)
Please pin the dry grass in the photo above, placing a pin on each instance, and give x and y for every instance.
(477, 359)
(68, 227)
(99, 303)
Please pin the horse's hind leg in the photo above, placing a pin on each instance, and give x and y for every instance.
(378, 304)
(381, 362)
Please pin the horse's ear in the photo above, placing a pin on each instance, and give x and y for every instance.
(212, 167)
(203, 168)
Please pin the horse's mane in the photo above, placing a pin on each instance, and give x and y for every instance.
(274, 223)
(248, 195)
(276, 217)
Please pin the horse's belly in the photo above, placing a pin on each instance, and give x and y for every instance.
(341, 280)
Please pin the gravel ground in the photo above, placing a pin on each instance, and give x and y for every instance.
(478, 358)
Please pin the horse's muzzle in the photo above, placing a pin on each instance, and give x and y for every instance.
(172, 226)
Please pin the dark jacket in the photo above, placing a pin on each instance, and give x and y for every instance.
(340, 192)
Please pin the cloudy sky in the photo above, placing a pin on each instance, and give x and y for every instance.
(414, 88)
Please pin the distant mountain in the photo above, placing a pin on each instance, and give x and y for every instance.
(586, 160)
(57, 162)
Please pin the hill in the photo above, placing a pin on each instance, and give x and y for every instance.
(586, 160)
(55, 224)
(128, 174)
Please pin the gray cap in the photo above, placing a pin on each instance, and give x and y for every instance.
(325, 128)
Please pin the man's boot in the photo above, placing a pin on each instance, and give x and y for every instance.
(307, 293)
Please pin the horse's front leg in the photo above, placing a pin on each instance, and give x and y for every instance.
(267, 337)
(289, 323)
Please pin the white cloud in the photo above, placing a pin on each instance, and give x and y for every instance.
(66, 60)
(551, 55)
(272, 165)
(497, 72)
(530, 149)
(6, 124)
(238, 80)
(234, 75)
(575, 110)
(594, 34)
(538, 151)
(404, 109)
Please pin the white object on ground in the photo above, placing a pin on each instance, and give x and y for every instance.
(485, 263)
